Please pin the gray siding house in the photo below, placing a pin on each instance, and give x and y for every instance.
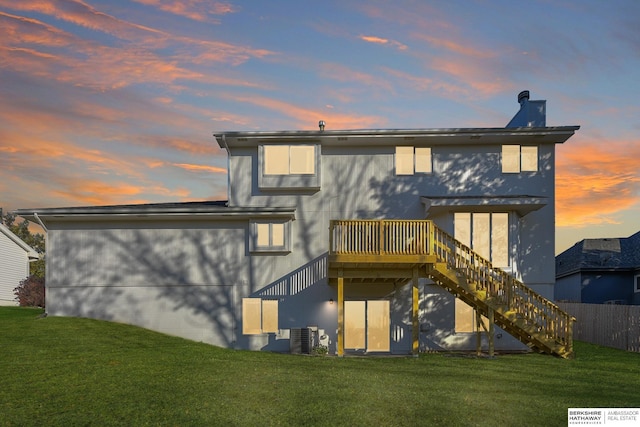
(362, 241)
(15, 256)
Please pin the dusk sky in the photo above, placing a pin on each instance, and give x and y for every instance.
(115, 102)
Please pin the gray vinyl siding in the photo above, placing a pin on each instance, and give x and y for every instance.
(360, 182)
(176, 278)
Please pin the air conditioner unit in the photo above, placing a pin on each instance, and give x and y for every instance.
(300, 341)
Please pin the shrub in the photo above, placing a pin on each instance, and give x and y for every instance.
(30, 292)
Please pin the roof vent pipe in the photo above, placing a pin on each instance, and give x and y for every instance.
(321, 124)
(523, 96)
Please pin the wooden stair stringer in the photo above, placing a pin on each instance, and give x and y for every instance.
(456, 283)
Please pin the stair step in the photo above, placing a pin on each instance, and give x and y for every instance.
(507, 318)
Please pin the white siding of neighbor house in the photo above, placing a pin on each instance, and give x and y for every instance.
(14, 267)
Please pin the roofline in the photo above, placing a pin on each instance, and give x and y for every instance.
(31, 253)
(174, 211)
(555, 134)
(595, 270)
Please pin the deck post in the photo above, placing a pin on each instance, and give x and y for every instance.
(490, 315)
(479, 327)
(415, 331)
(340, 313)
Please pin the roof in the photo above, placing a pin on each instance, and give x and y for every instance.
(371, 137)
(183, 210)
(32, 253)
(606, 254)
(522, 204)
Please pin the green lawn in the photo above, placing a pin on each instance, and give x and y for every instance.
(66, 371)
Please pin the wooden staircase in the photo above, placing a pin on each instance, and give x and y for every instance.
(405, 250)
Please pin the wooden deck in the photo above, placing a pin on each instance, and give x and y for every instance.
(401, 251)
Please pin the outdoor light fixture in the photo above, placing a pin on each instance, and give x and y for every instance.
(331, 301)
(321, 124)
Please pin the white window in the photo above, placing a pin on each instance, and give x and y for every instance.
(486, 233)
(270, 236)
(516, 158)
(289, 160)
(410, 160)
(259, 316)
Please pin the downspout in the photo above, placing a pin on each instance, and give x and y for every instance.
(226, 147)
(35, 214)
(46, 239)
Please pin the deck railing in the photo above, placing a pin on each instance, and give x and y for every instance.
(379, 237)
(416, 237)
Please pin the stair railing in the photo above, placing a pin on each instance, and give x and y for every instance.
(505, 290)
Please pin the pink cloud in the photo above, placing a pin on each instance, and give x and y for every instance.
(200, 168)
(82, 14)
(86, 62)
(197, 10)
(462, 47)
(306, 116)
(383, 41)
(596, 181)
(345, 74)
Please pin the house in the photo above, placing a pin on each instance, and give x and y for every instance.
(600, 271)
(15, 256)
(363, 241)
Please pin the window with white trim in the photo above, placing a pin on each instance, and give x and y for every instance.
(284, 167)
(259, 316)
(485, 233)
(412, 160)
(289, 159)
(519, 158)
(270, 236)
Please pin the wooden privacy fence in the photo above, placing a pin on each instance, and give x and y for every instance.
(616, 326)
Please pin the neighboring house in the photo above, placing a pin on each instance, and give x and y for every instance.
(600, 271)
(15, 256)
(273, 264)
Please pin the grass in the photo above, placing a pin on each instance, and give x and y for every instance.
(67, 371)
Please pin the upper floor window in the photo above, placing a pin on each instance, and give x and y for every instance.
(270, 236)
(411, 160)
(289, 167)
(519, 158)
(289, 160)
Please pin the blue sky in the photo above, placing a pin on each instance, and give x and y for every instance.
(109, 102)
